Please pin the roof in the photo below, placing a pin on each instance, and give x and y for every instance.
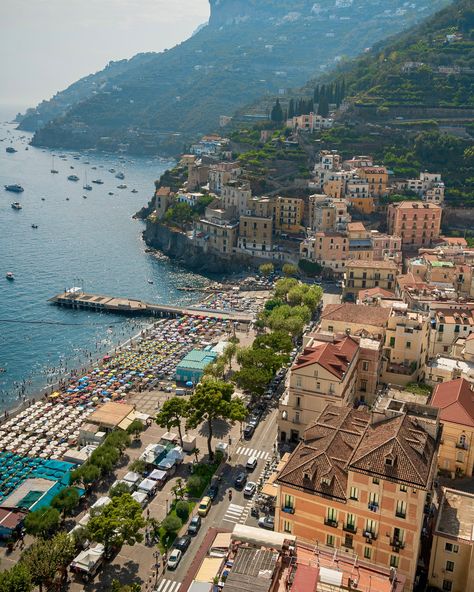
(196, 359)
(413, 205)
(210, 567)
(345, 439)
(455, 399)
(356, 314)
(110, 414)
(374, 292)
(163, 191)
(10, 518)
(456, 515)
(355, 226)
(454, 240)
(252, 570)
(371, 264)
(334, 357)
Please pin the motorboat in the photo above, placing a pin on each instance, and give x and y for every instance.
(10, 150)
(98, 182)
(111, 192)
(34, 226)
(67, 198)
(120, 175)
(150, 281)
(84, 196)
(134, 191)
(122, 186)
(53, 170)
(16, 205)
(10, 276)
(43, 199)
(73, 178)
(111, 170)
(14, 188)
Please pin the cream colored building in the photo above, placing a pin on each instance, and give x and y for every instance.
(163, 199)
(327, 214)
(355, 319)
(449, 323)
(455, 400)
(406, 346)
(324, 373)
(255, 233)
(236, 195)
(216, 234)
(289, 214)
(452, 558)
(368, 274)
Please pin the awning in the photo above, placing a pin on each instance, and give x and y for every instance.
(258, 536)
(330, 576)
(222, 540)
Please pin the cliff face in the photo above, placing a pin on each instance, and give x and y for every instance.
(158, 102)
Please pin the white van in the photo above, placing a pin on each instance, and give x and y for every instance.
(251, 463)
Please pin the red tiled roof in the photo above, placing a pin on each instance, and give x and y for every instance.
(10, 518)
(455, 399)
(334, 357)
(375, 292)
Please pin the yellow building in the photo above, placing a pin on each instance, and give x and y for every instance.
(455, 399)
(406, 346)
(255, 233)
(377, 177)
(216, 234)
(368, 274)
(359, 482)
(289, 214)
(355, 319)
(452, 558)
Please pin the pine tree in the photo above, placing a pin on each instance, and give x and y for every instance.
(291, 109)
(323, 107)
(316, 94)
(277, 112)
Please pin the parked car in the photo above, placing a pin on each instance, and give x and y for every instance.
(213, 490)
(251, 463)
(174, 558)
(194, 525)
(240, 480)
(204, 506)
(250, 489)
(248, 431)
(267, 522)
(182, 543)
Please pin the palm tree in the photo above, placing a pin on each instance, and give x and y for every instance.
(196, 452)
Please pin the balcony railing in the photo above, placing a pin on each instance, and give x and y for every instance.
(397, 544)
(462, 446)
(288, 509)
(401, 514)
(369, 535)
(329, 522)
(373, 506)
(350, 528)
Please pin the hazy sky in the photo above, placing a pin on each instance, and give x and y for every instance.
(48, 44)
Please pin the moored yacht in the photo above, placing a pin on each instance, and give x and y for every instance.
(10, 276)
(73, 178)
(14, 188)
(16, 205)
(98, 182)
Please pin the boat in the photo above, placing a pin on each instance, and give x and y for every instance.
(150, 281)
(73, 178)
(53, 170)
(111, 192)
(10, 150)
(122, 186)
(34, 226)
(94, 168)
(111, 170)
(3, 370)
(134, 191)
(84, 196)
(67, 198)
(16, 205)
(86, 185)
(98, 182)
(120, 175)
(43, 199)
(14, 188)
(10, 276)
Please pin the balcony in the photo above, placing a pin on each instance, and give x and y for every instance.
(350, 528)
(369, 535)
(462, 446)
(288, 509)
(333, 523)
(397, 544)
(373, 506)
(400, 514)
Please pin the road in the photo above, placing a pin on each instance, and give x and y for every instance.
(226, 513)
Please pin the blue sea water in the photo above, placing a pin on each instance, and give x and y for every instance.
(91, 242)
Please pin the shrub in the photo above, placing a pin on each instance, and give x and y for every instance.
(182, 510)
(194, 485)
(171, 523)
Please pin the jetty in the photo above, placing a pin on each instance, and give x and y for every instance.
(77, 299)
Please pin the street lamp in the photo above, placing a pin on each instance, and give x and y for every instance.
(166, 506)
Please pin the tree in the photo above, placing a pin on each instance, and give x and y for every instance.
(118, 587)
(194, 485)
(295, 295)
(105, 458)
(323, 107)
(229, 353)
(289, 270)
(283, 286)
(182, 510)
(16, 579)
(213, 400)
(277, 112)
(46, 557)
(266, 269)
(277, 342)
(171, 524)
(118, 522)
(172, 413)
(43, 522)
(87, 474)
(196, 453)
(66, 501)
(135, 428)
(117, 439)
(118, 490)
(253, 379)
(138, 466)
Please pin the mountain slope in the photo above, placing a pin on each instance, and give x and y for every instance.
(250, 48)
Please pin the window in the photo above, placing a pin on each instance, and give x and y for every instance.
(392, 341)
(330, 328)
(370, 527)
(365, 366)
(375, 481)
(451, 548)
(318, 386)
(330, 540)
(403, 488)
(450, 566)
(447, 585)
(401, 511)
(289, 501)
(408, 345)
(350, 522)
(298, 401)
(459, 457)
(348, 541)
(298, 381)
(367, 553)
(331, 517)
(394, 561)
(456, 328)
(363, 386)
(354, 493)
(287, 527)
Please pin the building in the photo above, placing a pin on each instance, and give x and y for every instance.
(187, 197)
(191, 368)
(329, 161)
(455, 400)
(368, 274)
(325, 372)
(359, 196)
(216, 233)
(310, 123)
(198, 174)
(406, 346)
(235, 196)
(221, 174)
(327, 214)
(376, 296)
(360, 481)
(449, 322)
(255, 233)
(417, 223)
(329, 249)
(452, 561)
(355, 319)
(429, 186)
(386, 246)
(289, 214)
(163, 199)
(376, 177)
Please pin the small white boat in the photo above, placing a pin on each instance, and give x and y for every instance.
(73, 178)
(16, 205)
(122, 186)
(10, 276)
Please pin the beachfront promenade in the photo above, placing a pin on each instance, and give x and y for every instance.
(129, 306)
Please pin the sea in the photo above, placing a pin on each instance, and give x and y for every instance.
(92, 243)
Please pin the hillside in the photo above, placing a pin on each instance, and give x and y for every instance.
(250, 48)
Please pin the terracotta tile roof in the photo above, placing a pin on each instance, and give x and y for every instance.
(163, 191)
(413, 205)
(455, 316)
(356, 226)
(453, 240)
(343, 439)
(455, 399)
(356, 313)
(372, 264)
(373, 292)
(334, 357)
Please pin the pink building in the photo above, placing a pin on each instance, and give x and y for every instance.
(386, 245)
(417, 223)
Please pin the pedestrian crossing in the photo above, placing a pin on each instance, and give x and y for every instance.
(259, 454)
(237, 514)
(168, 586)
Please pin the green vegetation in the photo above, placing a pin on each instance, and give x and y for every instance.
(135, 429)
(43, 522)
(16, 579)
(172, 413)
(44, 560)
(419, 388)
(310, 268)
(66, 501)
(266, 269)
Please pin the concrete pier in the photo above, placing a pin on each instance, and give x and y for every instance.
(128, 306)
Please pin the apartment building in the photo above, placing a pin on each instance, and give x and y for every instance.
(429, 186)
(452, 558)
(336, 184)
(310, 122)
(163, 199)
(216, 234)
(449, 322)
(417, 223)
(360, 481)
(455, 400)
(359, 196)
(236, 195)
(386, 246)
(376, 177)
(327, 214)
(325, 372)
(406, 346)
(198, 174)
(289, 214)
(255, 233)
(355, 319)
(329, 161)
(368, 274)
(329, 249)
(221, 174)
